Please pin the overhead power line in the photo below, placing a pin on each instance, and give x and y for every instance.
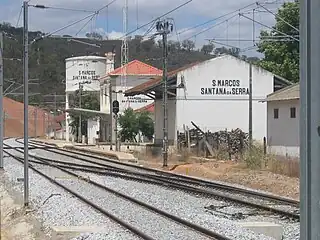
(211, 27)
(60, 8)
(290, 25)
(71, 24)
(216, 18)
(271, 28)
(159, 17)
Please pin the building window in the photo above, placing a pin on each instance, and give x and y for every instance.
(276, 113)
(293, 112)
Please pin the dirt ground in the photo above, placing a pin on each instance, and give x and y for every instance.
(235, 173)
(17, 222)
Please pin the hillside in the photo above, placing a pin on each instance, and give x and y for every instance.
(47, 57)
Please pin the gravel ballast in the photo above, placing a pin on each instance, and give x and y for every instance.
(55, 207)
(145, 220)
(181, 204)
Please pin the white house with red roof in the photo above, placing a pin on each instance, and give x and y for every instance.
(112, 87)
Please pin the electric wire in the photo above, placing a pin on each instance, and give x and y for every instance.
(290, 25)
(85, 25)
(61, 8)
(216, 18)
(159, 17)
(271, 28)
(19, 17)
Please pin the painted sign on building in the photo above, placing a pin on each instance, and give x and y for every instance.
(86, 75)
(225, 87)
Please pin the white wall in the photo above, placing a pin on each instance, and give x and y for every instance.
(216, 112)
(135, 102)
(158, 116)
(93, 127)
(283, 133)
(86, 68)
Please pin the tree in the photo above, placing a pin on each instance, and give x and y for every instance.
(128, 122)
(94, 35)
(231, 51)
(282, 56)
(146, 124)
(188, 45)
(207, 48)
(132, 123)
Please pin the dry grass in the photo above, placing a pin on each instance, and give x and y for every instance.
(257, 160)
(253, 160)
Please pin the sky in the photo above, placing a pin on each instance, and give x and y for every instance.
(232, 30)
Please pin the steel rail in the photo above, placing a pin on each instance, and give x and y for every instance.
(177, 177)
(167, 182)
(193, 226)
(96, 207)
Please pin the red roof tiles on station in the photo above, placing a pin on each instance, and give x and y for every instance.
(148, 108)
(135, 68)
(155, 81)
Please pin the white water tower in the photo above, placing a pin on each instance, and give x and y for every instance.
(85, 71)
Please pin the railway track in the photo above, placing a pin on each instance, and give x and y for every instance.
(273, 204)
(187, 179)
(190, 229)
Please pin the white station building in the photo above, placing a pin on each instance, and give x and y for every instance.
(86, 71)
(283, 121)
(113, 86)
(214, 94)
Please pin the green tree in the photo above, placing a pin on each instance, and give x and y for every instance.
(281, 56)
(89, 100)
(132, 123)
(207, 48)
(129, 124)
(146, 124)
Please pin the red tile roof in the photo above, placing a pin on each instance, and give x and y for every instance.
(155, 81)
(148, 108)
(136, 67)
(13, 124)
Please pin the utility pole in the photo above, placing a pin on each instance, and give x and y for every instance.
(54, 116)
(250, 106)
(164, 28)
(309, 119)
(80, 120)
(1, 101)
(26, 102)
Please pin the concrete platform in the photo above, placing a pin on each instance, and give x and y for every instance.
(266, 228)
(121, 156)
(78, 229)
